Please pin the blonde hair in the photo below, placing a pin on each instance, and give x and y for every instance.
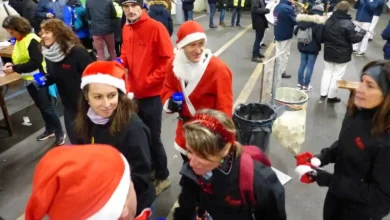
(205, 142)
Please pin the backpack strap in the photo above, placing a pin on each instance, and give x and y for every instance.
(246, 179)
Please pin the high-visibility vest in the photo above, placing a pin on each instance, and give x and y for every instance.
(118, 10)
(235, 3)
(21, 55)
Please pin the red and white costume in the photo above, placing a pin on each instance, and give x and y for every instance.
(205, 85)
(89, 182)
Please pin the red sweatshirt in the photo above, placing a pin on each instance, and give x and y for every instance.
(146, 50)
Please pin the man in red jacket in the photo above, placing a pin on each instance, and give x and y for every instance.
(145, 52)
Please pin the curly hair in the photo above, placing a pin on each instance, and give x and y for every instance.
(63, 34)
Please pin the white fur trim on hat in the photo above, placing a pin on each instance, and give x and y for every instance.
(114, 207)
(315, 162)
(191, 38)
(104, 79)
(302, 170)
(130, 95)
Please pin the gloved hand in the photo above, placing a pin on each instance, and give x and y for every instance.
(305, 164)
(322, 177)
(174, 106)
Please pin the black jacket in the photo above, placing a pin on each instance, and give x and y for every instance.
(28, 12)
(17, 5)
(158, 10)
(133, 142)
(339, 36)
(188, 4)
(258, 12)
(225, 201)
(316, 23)
(100, 13)
(67, 75)
(361, 173)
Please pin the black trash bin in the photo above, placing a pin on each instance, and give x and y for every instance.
(254, 124)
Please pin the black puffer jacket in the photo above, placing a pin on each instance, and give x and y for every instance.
(316, 23)
(361, 173)
(258, 12)
(224, 201)
(339, 36)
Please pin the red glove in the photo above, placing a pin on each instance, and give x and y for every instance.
(145, 214)
(305, 164)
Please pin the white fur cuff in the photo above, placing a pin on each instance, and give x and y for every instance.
(302, 170)
(166, 107)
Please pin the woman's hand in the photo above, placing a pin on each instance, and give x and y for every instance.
(7, 68)
(130, 208)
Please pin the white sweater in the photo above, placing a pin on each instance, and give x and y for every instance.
(3, 14)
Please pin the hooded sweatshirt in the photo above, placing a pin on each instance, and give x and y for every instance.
(284, 21)
(316, 23)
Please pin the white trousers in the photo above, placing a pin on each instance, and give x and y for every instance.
(362, 46)
(282, 60)
(332, 73)
(374, 21)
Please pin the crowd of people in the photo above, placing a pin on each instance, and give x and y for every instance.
(116, 164)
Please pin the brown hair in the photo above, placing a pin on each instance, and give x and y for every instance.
(381, 120)
(119, 119)
(64, 35)
(206, 143)
(18, 24)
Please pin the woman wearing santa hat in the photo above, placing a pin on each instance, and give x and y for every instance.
(83, 182)
(204, 80)
(107, 115)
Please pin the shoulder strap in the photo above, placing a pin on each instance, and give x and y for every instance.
(6, 9)
(246, 179)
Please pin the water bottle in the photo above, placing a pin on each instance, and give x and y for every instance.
(12, 40)
(178, 98)
(40, 79)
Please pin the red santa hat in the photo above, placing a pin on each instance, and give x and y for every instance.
(106, 72)
(305, 163)
(189, 32)
(79, 182)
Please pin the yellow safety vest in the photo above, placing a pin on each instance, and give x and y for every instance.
(118, 10)
(235, 3)
(21, 55)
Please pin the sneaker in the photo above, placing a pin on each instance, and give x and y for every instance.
(256, 60)
(161, 185)
(213, 26)
(46, 135)
(299, 86)
(334, 100)
(286, 76)
(261, 55)
(222, 24)
(360, 54)
(60, 140)
(308, 88)
(238, 25)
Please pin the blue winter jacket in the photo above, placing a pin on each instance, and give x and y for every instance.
(386, 47)
(285, 20)
(316, 22)
(366, 9)
(75, 18)
(378, 11)
(159, 12)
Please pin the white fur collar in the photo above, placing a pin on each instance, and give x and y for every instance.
(187, 70)
(318, 19)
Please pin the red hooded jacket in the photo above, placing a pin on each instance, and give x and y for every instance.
(145, 52)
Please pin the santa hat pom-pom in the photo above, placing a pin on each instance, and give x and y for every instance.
(130, 95)
(315, 162)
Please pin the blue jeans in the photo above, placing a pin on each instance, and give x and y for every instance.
(236, 11)
(256, 45)
(222, 16)
(188, 15)
(213, 8)
(307, 62)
